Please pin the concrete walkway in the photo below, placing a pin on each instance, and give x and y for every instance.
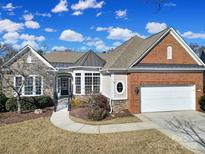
(61, 120)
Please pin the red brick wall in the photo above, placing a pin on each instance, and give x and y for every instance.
(159, 55)
(139, 79)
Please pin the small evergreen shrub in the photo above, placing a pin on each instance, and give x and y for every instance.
(3, 100)
(29, 103)
(97, 114)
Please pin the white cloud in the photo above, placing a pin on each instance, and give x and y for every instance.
(97, 43)
(59, 48)
(155, 27)
(10, 26)
(43, 14)
(28, 17)
(121, 34)
(86, 4)
(48, 29)
(77, 13)
(32, 24)
(83, 48)
(33, 44)
(116, 44)
(62, 6)
(98, 14)
(121, 14)
(170, 4)
(70, 35)
(11, 37)
(192, 35)
(28, 37)
(9, 7)
(99, 29)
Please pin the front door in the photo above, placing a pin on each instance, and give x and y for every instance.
(64, 86)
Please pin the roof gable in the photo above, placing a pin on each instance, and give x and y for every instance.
(178, 38)
(90, 58)
(24, 50)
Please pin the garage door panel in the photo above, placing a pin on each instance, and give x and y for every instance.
(169, 98)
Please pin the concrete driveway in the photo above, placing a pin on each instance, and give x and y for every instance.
(180, 126)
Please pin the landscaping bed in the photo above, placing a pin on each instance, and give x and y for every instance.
(14, 117)
(80, 115)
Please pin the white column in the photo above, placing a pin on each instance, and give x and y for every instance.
(83, 83)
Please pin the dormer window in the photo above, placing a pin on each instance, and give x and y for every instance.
(169, 52)
(29, 60)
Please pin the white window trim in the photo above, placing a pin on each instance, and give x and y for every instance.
(169, 52)
(83, 81)
(123, 87)
(34, 86)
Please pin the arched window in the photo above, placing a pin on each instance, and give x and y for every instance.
(119, 87)
(169, 52)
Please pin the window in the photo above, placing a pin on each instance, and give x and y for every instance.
(38, 85)
(92, 83)
(96, 83)
(29, 60)
(88, 83)
(28, 86)
(169, 52)
(32, 85)
(119, 87)
(18, 84)
(78, 83)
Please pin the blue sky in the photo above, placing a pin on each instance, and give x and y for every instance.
(96, 24)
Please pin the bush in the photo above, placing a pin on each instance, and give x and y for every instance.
(29, 103)
(97, 114)
(3, 100)
(11, 104)
(102, 102)
(202, 102)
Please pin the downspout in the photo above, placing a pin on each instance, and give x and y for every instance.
(110, 100)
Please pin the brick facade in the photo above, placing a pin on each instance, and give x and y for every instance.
(140, 79)
(158, 55)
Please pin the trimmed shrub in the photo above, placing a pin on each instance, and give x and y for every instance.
(45, 101)
(3, 100)
(97, 114)
(29, 103)
(202, 102)
(102, 102)
(11, 104)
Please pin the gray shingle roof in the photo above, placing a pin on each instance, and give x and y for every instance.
(120, 58)
(90, 59)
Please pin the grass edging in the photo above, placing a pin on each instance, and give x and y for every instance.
(117, 120)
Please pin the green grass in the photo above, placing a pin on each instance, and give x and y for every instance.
(121, 120)
(40, 136)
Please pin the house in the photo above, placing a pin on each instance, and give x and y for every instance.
(159, 73)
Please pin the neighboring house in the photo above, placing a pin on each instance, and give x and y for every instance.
(159, 73)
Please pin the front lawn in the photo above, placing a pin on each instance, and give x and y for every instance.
(40, 136)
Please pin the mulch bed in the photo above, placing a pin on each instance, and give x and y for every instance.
(14, 117)
(82, 113)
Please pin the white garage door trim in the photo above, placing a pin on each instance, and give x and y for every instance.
(168, 98)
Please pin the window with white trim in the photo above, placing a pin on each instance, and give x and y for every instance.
(29, 59)
(18, 84)
(32, 85)
(92, 83)
(169, 52)
(78, 83)
(119, 87)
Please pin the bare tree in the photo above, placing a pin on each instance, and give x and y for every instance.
(189, 129)
(24, 69)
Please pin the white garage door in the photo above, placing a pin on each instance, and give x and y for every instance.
(167, 98)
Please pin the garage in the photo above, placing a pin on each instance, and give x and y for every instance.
(167, 98)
